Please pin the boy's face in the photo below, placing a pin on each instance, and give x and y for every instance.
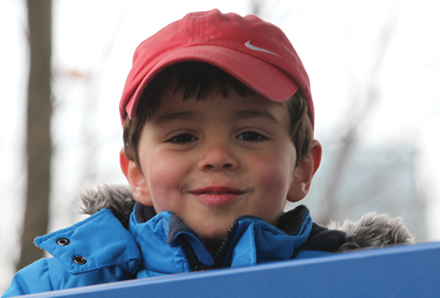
(214, 160)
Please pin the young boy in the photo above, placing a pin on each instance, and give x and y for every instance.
(218, 134)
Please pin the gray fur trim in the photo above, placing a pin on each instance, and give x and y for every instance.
(118, 198)
(374, 230)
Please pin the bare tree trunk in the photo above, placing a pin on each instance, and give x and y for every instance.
(39, 146)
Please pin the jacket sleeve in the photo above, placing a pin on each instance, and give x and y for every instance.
(110, 251)
(34, 278)
(50, 274)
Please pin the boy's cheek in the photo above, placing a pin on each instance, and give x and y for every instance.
(163, 181)
(274, 169)
(274, 179)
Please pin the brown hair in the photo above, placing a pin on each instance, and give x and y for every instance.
(201, 79)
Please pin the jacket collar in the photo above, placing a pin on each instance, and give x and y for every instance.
(250, 240)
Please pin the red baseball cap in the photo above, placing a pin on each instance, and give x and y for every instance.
(255, 52)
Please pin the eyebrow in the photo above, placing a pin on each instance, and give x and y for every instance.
(252, 114)
(186, 115)
(189, 115)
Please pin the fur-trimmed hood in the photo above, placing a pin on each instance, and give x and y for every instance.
(370, 231)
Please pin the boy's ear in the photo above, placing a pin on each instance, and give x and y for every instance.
(136, 179)
(303, 175)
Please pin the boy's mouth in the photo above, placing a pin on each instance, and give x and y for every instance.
(217, 195)
(218, 190)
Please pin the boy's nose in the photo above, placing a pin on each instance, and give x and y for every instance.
(217, 157)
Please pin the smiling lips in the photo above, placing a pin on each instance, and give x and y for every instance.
(217, 196)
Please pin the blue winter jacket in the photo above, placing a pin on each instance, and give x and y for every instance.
(100, 249)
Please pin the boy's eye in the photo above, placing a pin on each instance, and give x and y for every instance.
(182, 139)
(251, 136)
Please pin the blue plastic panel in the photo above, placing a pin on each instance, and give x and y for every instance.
(403, 271)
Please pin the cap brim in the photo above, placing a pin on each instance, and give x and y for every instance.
(260, 76)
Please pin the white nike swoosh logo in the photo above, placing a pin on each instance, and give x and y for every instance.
(252, 47)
